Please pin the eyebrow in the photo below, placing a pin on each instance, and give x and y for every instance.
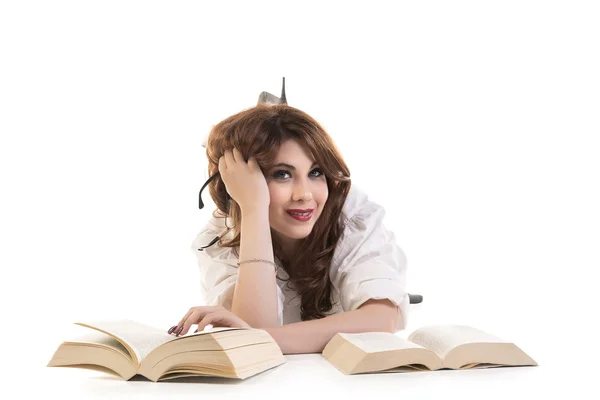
(291, 166)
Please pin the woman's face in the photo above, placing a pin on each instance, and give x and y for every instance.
(298, 185)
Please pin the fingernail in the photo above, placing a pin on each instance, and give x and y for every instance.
(179, 330)
(172, 329)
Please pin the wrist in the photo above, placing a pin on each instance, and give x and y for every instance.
(255, 210)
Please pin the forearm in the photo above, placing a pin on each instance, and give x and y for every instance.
(255, 295)
(312, 336)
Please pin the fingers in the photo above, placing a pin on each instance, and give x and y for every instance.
(193, 316)
(226, 161)
(184, 319)
(253, 164)
(231, 157)
(237, 156)
(216, 318)
(222, 165)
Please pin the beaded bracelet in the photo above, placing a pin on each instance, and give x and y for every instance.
(258, 260)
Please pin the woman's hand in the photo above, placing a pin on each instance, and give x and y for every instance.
(243, 180)
(217, 316)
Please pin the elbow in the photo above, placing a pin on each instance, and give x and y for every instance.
(380, 322)
(383, 316)
(389, 323)
(395, 322)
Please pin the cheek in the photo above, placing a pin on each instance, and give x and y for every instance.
(277, 198)
(323, 195)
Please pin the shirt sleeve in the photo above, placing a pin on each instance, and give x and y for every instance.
(218, 272)
(370, 263)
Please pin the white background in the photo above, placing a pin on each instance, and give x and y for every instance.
(475, 124)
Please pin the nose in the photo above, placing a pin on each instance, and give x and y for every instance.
(301, 192)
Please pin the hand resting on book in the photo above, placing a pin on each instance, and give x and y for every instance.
(128, 348)
(217, 316)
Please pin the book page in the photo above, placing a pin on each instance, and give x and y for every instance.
(374, 342)
(102, 339)
(443, 338)
(140, 338)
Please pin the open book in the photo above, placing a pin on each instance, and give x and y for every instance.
(127, 348)
(428, 348)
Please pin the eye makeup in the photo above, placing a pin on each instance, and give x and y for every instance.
(277, 174)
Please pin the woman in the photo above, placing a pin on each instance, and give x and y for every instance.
(302, 254)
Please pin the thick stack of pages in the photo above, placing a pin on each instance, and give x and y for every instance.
(128, 348)
(429, 348)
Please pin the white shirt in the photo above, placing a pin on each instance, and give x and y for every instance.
(367, 264)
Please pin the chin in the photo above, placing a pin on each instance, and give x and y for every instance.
(288, 229)
(294, 233)
(299, 235)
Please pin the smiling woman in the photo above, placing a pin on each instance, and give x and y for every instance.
(298, 196)
(285, 192)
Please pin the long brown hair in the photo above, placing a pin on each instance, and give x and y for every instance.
(259, 132)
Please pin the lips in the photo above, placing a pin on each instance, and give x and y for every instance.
(300, 215)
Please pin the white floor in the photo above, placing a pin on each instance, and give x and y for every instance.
(309, 374)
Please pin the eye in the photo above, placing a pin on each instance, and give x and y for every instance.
(280, 174)
(319, 172)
